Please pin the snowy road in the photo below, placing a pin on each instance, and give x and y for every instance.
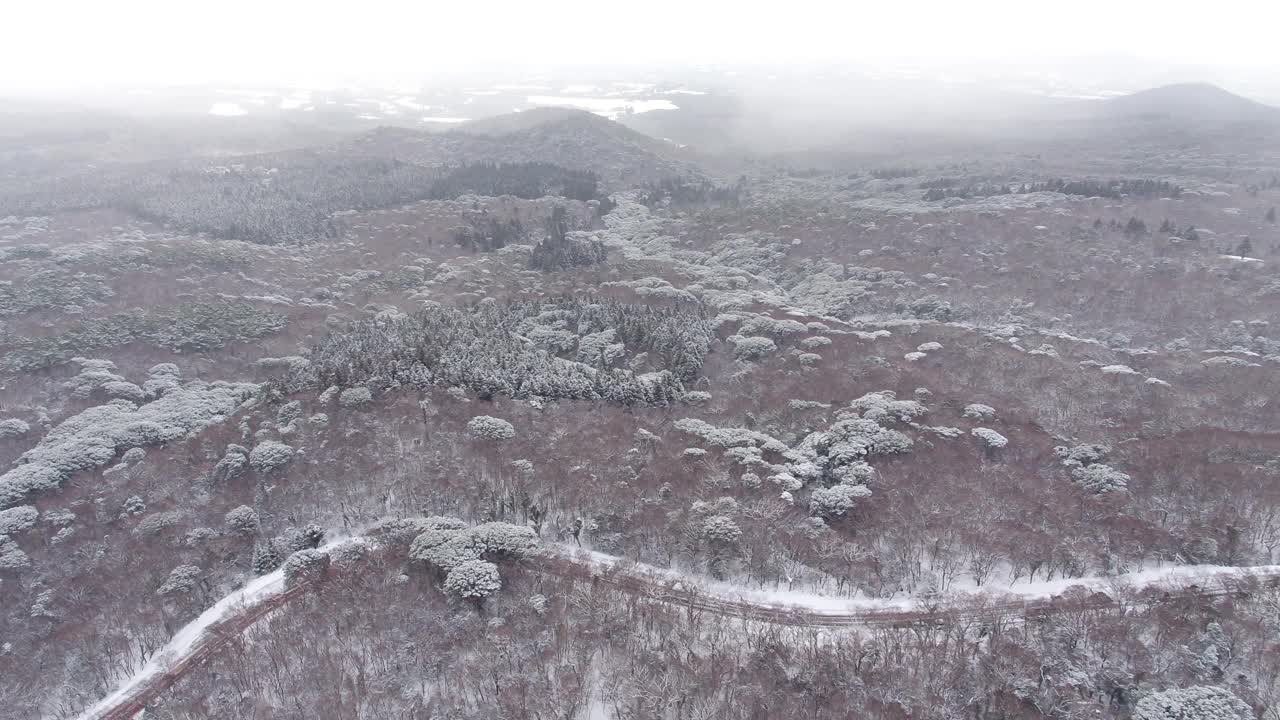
(224, 621)
(812, 610)
(200, 639)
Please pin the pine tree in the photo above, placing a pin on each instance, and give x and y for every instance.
(265, 558)
(1245, 248)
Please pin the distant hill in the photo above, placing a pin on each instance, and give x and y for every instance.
(573, 139)
(535, 118)
(1189, 103)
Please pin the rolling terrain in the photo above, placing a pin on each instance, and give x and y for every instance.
(861, 413)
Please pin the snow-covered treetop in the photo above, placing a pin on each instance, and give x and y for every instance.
(165, 370)
(751, 348)
(1081, 455)
(270, 455)
(182, 579)
(990, 438)
(473, 579)
(729, 437)
(836, 500)
(883, 406)
(486, 427)
(11, 556)
(17, 519)
(352, 397)
(305, 564)
(92, 437)
(1100, 478)
(838, 454)
(1118, 370)
(978, 411)
(242, 520)
(1199, 702)
(447, 542)
(720, 529)
(13, 427)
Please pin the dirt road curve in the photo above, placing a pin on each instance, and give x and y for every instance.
(655, 585)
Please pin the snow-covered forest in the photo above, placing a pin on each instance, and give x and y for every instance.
(539, 416)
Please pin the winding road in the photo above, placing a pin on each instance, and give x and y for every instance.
(226, 620)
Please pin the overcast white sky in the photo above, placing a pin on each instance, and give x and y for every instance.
(57, 43)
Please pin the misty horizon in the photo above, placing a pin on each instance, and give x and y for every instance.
(142, 43)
